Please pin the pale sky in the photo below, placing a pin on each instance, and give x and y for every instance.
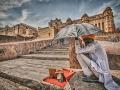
(40, 12)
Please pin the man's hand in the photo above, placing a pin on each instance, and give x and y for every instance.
(82, 43)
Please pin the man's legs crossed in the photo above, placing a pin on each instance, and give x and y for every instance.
(85, 68)
(86, 65)
(87, 61)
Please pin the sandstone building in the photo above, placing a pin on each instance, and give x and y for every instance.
(45, 32)
(19, 29)
(104, 21)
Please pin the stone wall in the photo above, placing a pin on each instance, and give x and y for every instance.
(111, 47)
(113, 53)
(114, 37)
(45, 32)
(26, 47)
(7, 39)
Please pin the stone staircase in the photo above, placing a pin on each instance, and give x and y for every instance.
(35, 66)
(50, 53)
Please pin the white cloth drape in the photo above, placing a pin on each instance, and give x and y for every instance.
(98, 62)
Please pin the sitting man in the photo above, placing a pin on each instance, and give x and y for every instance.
(96, 63)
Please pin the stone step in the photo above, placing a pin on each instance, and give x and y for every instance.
(31, 68)
(53, 52)
(53, 49)
(6, 84)
(45, 57)
(11, 82)
(58, 47)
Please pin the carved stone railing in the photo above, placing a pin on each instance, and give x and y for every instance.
(114, 37)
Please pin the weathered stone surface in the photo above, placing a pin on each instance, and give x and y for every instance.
(6, 84)
(34, 69)
(9, 82)
(7, 53)
(112, 37)
(111, 47)
(26, 47)
(76, 82)
(53, 52)
(72, 55)
(30, 71)
(46, 56)
(114, 61)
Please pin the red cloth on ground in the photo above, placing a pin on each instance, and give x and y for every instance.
(67, 73)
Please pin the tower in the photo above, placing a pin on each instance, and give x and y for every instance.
(109, 20)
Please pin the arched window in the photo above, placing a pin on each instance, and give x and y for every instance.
(48, 34)
(96, 25)
(99, 25)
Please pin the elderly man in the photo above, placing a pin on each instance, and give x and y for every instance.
(96, 63)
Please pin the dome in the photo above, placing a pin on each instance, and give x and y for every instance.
(85, 15)
(69, 19)
(108, 8)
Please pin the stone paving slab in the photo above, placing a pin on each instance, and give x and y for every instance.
(52, 52)
(56, 49)
(46, 56)
(31, 68)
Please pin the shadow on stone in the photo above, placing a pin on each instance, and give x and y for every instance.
(76, 83)
(117, 80)
(27, 82)
(7, 54)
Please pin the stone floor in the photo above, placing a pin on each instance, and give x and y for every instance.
(6, 84)
(35, 66)
(34, 69)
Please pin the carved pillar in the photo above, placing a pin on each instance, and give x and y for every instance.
(72, 55)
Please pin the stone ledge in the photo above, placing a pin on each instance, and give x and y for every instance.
(27, 47)
(34, 85)
(6, 84)
(75, 83)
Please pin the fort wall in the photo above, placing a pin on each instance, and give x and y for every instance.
(26, 47)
